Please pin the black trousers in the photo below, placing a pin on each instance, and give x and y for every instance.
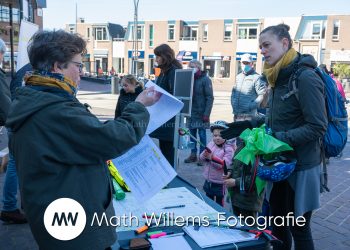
(167, 149)
(281, 203)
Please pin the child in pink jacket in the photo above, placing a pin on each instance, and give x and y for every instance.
(214, 159)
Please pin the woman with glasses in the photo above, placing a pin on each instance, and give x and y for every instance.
(61, 148)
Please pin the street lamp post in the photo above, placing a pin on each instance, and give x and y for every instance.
(135, 51)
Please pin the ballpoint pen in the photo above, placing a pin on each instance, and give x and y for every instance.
(177, 206)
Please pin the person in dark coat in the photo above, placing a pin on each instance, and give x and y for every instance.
(61, 148)
(131, 88)
(202, 103)
(299, 121)
(165, 59)
(10, 212)
(5, 99)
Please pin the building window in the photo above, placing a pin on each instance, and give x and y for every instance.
(217, 68)
(139, 33)
(335, 35)
(88, 32)
(151, 35)
(171, 32)
(205, 32)
(5, 14)
(247, 31)
(189, 33)
(30, 12)
(71, 29)
(316, 31)
(228, 32)
(101, 34)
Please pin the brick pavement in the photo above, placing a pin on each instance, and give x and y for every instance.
(330, 223)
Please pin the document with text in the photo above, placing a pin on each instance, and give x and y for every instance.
(144, 169)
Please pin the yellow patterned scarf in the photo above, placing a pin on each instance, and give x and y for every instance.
(49, 79)
(271, 72)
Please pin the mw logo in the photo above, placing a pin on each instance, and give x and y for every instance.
(65, 219)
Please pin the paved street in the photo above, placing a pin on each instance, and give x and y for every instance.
(330, 225)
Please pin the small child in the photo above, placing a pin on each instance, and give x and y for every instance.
(214, 161)
(240, 183)
(131, 88)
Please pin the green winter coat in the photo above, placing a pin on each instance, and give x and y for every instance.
(61, 150)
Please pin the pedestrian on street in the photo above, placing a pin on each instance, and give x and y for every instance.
(10, 212)
(61, 148)
(5, 99)
(248, 92)
(202, 103)
(299, 121)
(166, 61)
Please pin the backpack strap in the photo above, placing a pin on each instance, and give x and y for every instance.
(293, 81)
(324, 173)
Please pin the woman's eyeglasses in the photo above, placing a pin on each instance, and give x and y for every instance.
(79, 65)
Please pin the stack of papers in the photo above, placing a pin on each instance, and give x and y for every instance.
(170, 243)
(216, 236)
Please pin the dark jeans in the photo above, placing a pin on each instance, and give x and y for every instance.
(282, 202)
(218, 199)
(167, 149)
(202, 138)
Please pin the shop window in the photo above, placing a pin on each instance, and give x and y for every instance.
(217, 68)
(223, 69)
(209, 66)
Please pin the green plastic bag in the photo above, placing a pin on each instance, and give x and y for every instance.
(258, 142)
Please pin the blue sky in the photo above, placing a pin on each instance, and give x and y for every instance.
(60, 12)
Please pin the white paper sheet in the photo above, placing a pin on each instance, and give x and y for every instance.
(27, 30)
(163, 110)
(171, 243)
(194, 206)
(216, 236)
(144, 169)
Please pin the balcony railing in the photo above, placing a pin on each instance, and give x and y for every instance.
(188, 38)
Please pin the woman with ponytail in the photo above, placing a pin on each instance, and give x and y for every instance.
(300, 120)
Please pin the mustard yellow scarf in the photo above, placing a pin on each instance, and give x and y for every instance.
(49, 79)
(271, 72)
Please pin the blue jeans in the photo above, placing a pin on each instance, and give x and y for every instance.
(10, 186)
(202, 138)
